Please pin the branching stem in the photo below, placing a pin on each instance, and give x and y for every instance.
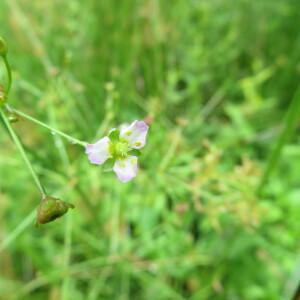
(23, 153)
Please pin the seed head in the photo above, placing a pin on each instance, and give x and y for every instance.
(50, 209)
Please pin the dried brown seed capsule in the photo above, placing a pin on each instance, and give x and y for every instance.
(50, 209)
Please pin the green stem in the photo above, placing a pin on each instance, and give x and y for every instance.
(8, 69)
(23, 153)
(291, 118)
(68, 137)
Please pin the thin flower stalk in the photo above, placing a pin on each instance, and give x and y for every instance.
(53, 130)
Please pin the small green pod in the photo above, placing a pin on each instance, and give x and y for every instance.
(50, 209)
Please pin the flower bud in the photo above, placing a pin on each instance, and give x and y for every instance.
(3, 47)
(50, 209)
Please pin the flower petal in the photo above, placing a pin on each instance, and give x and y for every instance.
(124, 126)
(98, 153)
(126, 169)
(135, 134)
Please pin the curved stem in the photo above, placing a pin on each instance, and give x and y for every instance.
(68, 137)
(23, 153)
(8, 70)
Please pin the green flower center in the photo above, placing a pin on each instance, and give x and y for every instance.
(119, 149)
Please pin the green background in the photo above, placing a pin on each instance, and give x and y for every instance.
(215, 78)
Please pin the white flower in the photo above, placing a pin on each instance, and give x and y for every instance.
(118, 146)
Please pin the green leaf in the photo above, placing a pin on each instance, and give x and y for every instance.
(114, 135)
(135, 152)
(109, 163)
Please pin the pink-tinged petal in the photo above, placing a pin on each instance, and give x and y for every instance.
(98, 153)
(135, 134)
(126, 169)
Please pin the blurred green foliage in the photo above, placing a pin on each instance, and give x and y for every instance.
(215, 77)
